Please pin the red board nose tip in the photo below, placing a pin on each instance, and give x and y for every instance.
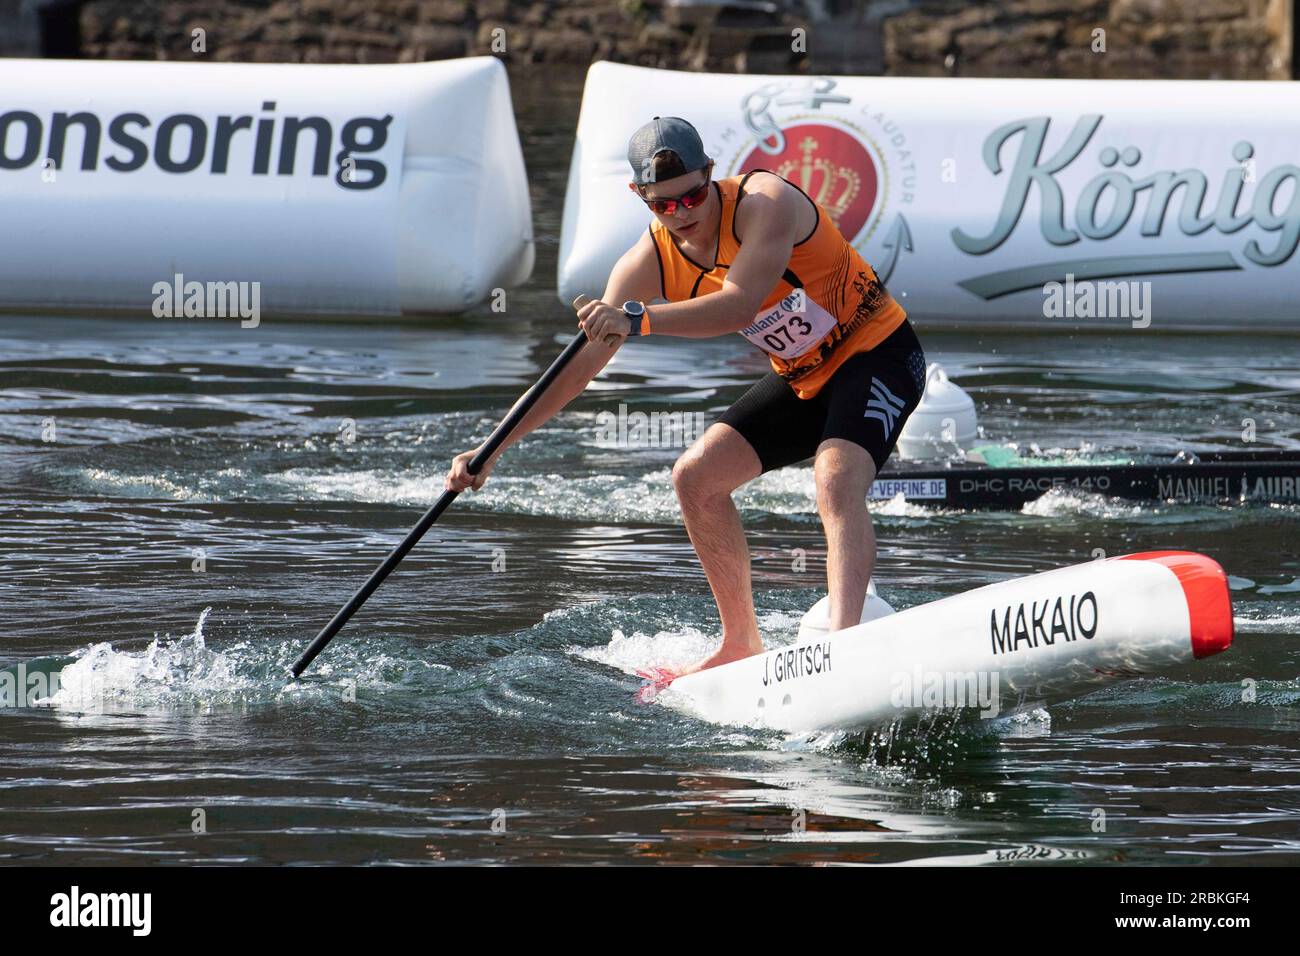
(1209, 604)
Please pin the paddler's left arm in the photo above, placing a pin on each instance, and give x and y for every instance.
(769, 224)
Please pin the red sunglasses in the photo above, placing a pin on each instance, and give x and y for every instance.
(687, 200)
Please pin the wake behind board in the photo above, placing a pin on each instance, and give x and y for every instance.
(1039, 639)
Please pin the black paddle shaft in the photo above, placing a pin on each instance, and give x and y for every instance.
(475, 466)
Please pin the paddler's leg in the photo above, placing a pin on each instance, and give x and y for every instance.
(704, 478)
(843, 472)
(868, 399)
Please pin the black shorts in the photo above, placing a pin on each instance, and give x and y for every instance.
(866, 401)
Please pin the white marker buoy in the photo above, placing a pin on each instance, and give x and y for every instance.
(943, 424)
(816, 623)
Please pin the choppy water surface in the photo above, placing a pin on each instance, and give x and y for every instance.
(211, 495)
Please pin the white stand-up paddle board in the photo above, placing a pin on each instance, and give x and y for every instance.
(1034, 640)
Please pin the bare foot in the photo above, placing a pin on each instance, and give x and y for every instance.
(729, 651)
(660, 676)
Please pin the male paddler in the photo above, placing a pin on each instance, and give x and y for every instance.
(754, 254)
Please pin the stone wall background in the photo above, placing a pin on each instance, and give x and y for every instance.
(1230, 39)
(1201, 39)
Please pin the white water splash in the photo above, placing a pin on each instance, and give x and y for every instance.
(899, 507)
(143, 486)
(206, 486)
(165, 671)
(185, 672)
(671, 650)
(678, 648)
(387, 487)
(1270, 624)
(1064, 503)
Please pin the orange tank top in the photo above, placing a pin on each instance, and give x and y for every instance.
(828, 306)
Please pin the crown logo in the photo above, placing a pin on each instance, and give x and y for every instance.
(830, 185)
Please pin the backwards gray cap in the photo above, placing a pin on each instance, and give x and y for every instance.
(661, 133)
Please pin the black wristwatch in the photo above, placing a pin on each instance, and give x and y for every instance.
(635, 312)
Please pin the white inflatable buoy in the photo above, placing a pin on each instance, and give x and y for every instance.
(816, 623)
(943, 425)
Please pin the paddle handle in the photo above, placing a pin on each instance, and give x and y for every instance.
(475, 465)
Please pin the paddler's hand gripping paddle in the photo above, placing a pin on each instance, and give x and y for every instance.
(474, 467)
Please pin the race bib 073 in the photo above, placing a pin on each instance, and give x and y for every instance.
(791, 327)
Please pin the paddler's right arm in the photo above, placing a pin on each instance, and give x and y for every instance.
(635, 276)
